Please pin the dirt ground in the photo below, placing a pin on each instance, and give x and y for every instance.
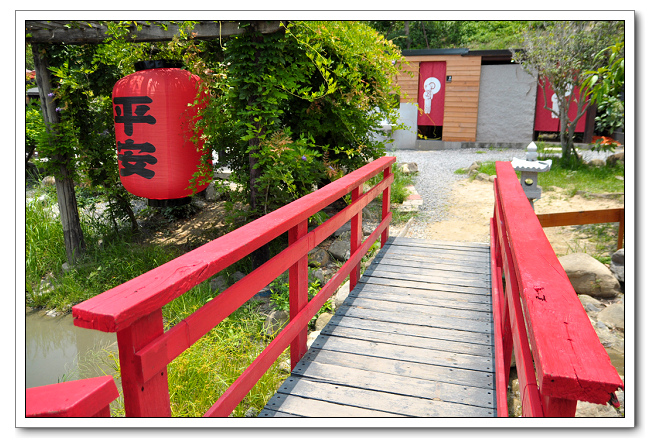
(470, 209)
(473, 204)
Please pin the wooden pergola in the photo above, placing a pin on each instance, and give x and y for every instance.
(42, 33)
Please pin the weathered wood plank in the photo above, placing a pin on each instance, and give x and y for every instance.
(452, 245)
(416, 296)
(426, 311)
(390, 351)
(400, 335)
(452, 323)
(370, 400)
(396, 384)
(306, 407)
(440, 252)
(467, 293)
(93, 32)
(427, 257)
(416, 262)
(428, 276)
(404, 368)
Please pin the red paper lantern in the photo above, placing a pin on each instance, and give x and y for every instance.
(153, 128)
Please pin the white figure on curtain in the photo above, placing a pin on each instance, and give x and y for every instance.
(555, 108)
(431, 87)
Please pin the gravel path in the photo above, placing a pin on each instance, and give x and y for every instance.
(436, 176)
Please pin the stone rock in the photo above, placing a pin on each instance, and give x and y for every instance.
(347, 227)
(319, 274)
(318, 257)
(617, 157)
(275, 321)
(311, 337)
(48, 181)
(618, 265)
(597, 162)
(341, 294)
(340, 250)
(238, 276)
(613, 316)
(52, 313)
(251, 412)
(483, 177)
(322, 320)
(592, 306)
(211, 193)
(589, 276)
(586, 409)
(408, 168)
(218, 284)
(474, 167)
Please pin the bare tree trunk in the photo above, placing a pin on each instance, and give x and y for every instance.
(68, 211)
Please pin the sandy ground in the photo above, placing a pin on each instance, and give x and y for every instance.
(472, 205)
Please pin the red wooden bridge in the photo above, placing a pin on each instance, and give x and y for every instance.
(429, 329)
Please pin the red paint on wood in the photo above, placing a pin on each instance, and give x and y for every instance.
(142, 398)
(385, 203)
(501, 374)
(238, 390)
(530, 398)
(168, 346)
(355, 238)
(133, 309)
(570, 361)
(121, 306)
(82, 398)
(298, 293)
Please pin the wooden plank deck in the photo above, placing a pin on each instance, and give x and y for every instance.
(414, 339)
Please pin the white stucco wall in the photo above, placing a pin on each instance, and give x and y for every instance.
(506, 107)
(405, 138)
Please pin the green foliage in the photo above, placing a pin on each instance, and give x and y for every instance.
(297, 108)
(475, 35)
(563, 54)
(604, 86)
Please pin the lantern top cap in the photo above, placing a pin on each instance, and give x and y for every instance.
(538, 166)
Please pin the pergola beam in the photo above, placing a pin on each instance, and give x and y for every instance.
(94, 32)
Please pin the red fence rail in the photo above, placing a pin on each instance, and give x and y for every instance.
(133, 310)
(538, 315)
(81, 398)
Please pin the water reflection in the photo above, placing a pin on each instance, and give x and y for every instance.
(56, 350)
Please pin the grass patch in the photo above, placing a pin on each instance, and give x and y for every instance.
(592, 179)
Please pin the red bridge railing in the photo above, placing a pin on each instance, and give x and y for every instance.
(558, 356)
(133, 310)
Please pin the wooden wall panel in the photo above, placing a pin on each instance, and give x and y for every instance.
(461, 98)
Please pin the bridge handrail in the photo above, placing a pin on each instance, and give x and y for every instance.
(539, 315)
(81, 398)
(133, 310)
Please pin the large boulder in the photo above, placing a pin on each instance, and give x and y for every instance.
(589, 276)
(340, 250)
(613, 316)
(618, 265)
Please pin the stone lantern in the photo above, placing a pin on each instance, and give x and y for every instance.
(529, 169)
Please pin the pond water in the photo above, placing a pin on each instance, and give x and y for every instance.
(56, 350)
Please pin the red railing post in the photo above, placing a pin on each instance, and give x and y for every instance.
(149, 398)
(355, 237)
(385, 206)
(298, 293)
